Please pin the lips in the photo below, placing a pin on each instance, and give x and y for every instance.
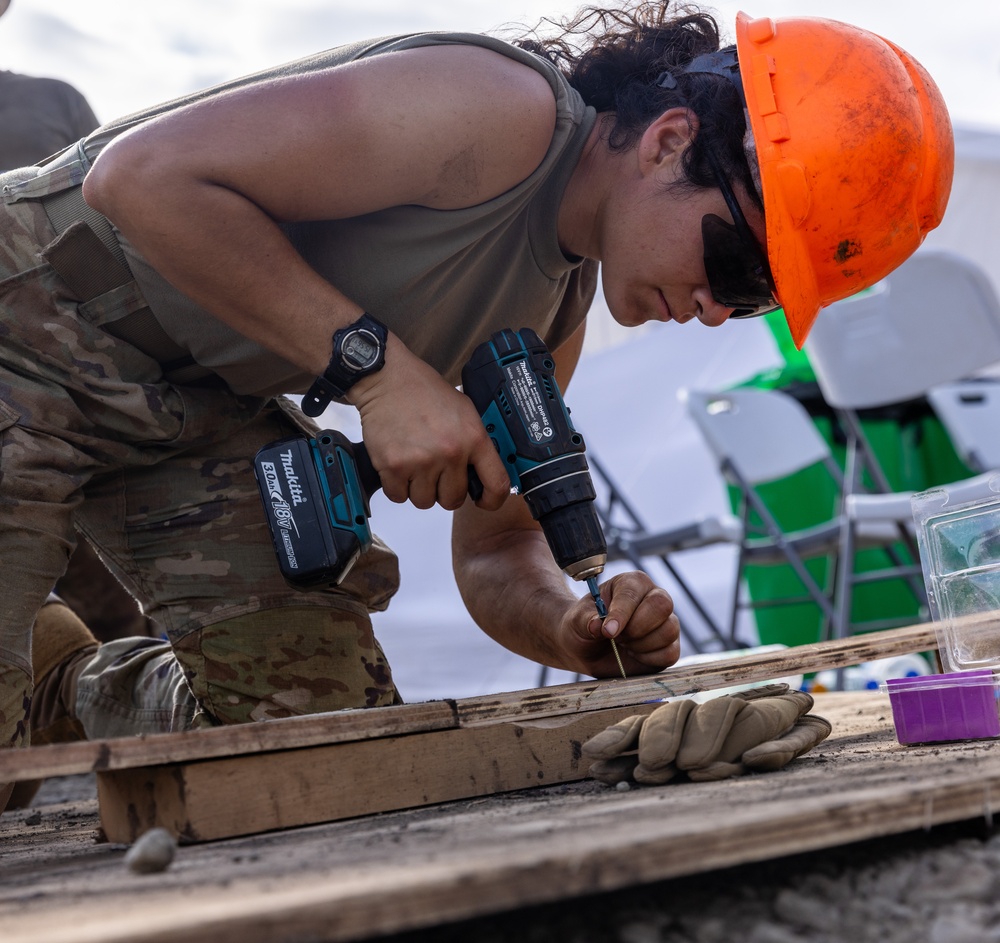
(665, 313)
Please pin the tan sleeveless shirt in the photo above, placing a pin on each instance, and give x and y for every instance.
(442, 280)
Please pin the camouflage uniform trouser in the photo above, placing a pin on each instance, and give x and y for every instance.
(158, 476)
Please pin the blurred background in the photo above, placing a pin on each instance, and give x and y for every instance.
(124, 55)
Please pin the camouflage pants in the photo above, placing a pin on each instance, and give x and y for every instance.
(158, 477)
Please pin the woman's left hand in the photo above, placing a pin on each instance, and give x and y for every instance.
(641, 619)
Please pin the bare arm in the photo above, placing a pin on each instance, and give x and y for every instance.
(519, 597)
(200, 192)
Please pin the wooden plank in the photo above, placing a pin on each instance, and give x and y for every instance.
(706, 676)
(343, 726)
(65, 759)
(359, 879)
(209, 799)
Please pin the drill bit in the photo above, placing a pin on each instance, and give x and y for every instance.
(602, 611)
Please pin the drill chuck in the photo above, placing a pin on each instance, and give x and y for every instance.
(511, 380)
(560, 495)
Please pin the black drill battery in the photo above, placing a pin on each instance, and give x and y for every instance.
(315, 506)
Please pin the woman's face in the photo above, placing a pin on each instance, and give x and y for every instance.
(652, 251)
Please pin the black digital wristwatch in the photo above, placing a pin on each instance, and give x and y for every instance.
(358, 351)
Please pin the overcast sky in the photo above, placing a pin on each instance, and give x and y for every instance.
(126, 54)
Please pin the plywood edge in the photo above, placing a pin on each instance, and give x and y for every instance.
(394, 897)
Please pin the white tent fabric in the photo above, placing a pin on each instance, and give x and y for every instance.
(624, 401)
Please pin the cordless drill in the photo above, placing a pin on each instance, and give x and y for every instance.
(316, 490)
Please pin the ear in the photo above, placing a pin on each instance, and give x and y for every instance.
(663, 143)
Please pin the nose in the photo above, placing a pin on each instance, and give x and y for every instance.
(712, 313)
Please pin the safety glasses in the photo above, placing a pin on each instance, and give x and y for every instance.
(737, 269)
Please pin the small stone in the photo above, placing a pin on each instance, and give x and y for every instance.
(806, 912)
(152, 852)
(623, 786)
(34, 819)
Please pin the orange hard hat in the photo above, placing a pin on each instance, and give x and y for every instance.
(856, 156)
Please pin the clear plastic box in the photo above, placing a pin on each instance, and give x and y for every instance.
(954, 706)
(958, 535)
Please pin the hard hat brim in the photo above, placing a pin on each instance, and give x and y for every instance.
(788, 256)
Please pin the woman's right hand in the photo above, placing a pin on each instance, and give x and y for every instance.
(422, 435)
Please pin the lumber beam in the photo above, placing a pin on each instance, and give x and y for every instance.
(349, 725)
(209, 799)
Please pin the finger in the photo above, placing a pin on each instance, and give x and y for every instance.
(453, 487)
(653, 648)
(637, 609)
(595, 627)
(615, 740)
(656, 660)
(807, 732)
(492, 474)
(706, 731)
(395, 487)
(423, 491)
(623, 595)
(616, 770)
(643, 640)
(662, 734)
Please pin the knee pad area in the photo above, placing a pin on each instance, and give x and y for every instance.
(286, 662)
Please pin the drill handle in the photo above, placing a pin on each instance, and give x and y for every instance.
(371, 482)
(475, 485)
(367, 475)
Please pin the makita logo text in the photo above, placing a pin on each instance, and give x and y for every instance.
(281, 511)
(294, 488)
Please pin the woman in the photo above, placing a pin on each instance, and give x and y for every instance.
(427, 190)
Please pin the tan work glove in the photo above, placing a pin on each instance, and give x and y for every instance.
(764, 728)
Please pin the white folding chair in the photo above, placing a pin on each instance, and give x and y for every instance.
(970, 413)
(761, 436)
(934, 320)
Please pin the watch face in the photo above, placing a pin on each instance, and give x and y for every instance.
(360, 350)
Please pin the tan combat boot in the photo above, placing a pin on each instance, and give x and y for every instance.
(60, 646)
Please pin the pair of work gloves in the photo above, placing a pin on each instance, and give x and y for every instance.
(764, 728)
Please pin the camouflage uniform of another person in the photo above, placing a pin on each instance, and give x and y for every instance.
(40, 116)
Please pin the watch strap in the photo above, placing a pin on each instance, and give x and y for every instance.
(337, 379)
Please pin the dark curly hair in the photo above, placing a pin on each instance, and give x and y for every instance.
(613, 57)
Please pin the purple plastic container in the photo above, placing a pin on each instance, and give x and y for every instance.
(961, 705)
